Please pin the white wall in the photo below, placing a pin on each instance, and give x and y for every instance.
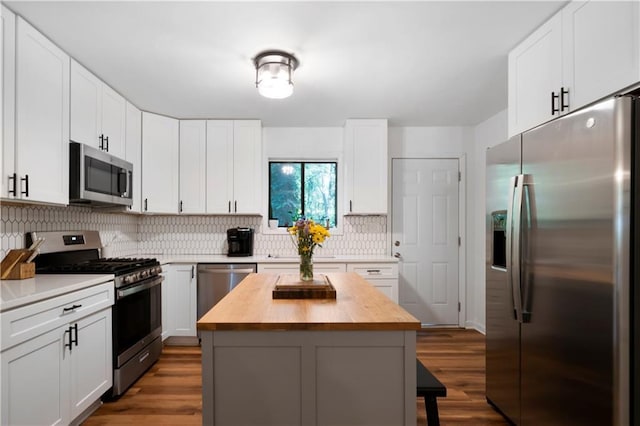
(485, 135)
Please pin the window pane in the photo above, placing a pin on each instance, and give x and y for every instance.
(285, 192)
(320, 192)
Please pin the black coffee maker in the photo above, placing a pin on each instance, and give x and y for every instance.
(240, 242)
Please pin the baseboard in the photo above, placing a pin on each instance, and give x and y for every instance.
(476, 326)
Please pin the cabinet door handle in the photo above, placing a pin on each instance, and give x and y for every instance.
(180, 206)
(193, 271)
(554, 98)
(564, 95)
(106, 139)
(350, 206)
(70, 344)
(13, 178)
(145, 204)
(25, 179)
(229, 206)
(74, 340)
(235, 206)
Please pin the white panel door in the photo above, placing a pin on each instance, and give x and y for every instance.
(91, 361)
(219, 166)
(42, 117)
(193, 166)
(35, 380)
(247, 170)
(133, 152)
(535, 72)
(601, 45)
(8, 90)
(160, 152)
(114, 112)
(86, 97)
(425, 234)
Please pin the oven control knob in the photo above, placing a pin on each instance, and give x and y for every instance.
(126, 279)
(144, 274)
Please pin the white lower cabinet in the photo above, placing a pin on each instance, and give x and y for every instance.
(383, 276)
(181, 300)
(53, 377)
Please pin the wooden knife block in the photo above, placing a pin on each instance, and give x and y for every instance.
(13, 265)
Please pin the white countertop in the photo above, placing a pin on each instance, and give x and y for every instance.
(15, 293)
(223, 258)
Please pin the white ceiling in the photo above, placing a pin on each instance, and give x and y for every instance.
(420, 63)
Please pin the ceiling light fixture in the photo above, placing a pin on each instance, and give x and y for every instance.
(274, 73)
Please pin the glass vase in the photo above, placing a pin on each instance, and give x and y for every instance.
(306, 267)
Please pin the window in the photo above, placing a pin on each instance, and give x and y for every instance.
(303, 189)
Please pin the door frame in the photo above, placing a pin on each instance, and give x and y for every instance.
(462, 230)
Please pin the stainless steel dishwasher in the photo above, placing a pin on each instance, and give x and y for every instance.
(216, 280)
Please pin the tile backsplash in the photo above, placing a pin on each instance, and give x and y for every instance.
(128, 235)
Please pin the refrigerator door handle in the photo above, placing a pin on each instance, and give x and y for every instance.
(527, 223)
(513, 255)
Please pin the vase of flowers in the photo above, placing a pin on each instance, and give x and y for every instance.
(307, 235)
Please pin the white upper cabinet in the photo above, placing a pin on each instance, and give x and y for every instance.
(160, 150)
(97, 112)
(41, 156)
(8, 88)
(247, 170)
(587, 51)
(234, 155)
(366, 166)
(133, 153)
(535, 77)
(193, 163)
(602, 44)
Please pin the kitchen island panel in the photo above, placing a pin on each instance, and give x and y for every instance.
(309, 377)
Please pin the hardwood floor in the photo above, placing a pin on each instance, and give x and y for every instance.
(170, 392)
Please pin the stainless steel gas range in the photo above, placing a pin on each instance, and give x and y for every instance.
(137, 312)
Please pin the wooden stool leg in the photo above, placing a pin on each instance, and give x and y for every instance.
(431, 404)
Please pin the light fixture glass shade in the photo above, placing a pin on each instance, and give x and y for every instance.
(274, 72)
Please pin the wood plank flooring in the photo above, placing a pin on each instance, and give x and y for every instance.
(170, 392)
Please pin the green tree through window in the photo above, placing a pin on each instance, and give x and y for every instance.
(303, 189)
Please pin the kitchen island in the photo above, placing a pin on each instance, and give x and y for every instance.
(343, 361)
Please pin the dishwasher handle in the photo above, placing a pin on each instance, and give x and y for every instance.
(225, 271)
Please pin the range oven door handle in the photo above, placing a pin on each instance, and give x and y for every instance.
(144, 285)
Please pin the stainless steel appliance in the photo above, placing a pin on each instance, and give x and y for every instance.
(137, 313)
(97, 178)
(562, 269)
(216, 280)
(240, 242)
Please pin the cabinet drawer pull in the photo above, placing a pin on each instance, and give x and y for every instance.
(71, 308)
(374, 271)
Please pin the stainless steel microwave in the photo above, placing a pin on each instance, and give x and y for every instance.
(97, 178)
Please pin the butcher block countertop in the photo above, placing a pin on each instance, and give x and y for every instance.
(357, 306)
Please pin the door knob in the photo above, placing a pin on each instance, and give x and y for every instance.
(397, 255)
(397, 243)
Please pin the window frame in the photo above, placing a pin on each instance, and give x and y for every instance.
(337, 230)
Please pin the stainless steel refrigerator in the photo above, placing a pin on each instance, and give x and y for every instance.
(562, 269)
